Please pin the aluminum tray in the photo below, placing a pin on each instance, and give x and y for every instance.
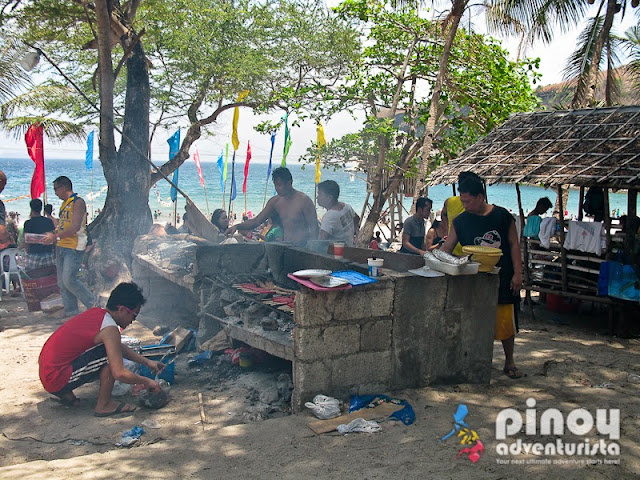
(470, 268)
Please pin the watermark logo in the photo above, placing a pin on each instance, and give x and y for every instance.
(579, 422)
(468, 436)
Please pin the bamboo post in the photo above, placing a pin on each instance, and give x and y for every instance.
(206, 200)
(607, 223)
(392, 216)
(563, 251)
(525, 249)
(580, 203)
(175, 213)
(632, 223)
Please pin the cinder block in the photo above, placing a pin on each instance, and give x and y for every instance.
(361, 368)
(341, 340)
(314, 309)
(310, 379)
(468, 291)
(364, 303)
(376, 335)
(316, 343)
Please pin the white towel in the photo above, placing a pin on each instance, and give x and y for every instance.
(547, 229)
(584, 236)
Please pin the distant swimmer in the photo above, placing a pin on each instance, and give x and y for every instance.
(295, 209)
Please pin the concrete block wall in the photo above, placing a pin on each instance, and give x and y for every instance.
(168, 303)
(343, 341)
(402, 332)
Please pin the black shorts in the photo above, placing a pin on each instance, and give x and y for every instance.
(86, 368)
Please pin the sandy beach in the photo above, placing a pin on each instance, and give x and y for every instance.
(569, 362)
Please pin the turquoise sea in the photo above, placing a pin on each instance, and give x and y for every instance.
(353, 188)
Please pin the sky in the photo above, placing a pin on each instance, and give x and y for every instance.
(552, 58)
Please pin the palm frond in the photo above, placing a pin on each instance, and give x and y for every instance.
(541, 18)
(631, 43)
(12, 76)
(613, 82)
(54, 129)
(40, 97)
(580, 60)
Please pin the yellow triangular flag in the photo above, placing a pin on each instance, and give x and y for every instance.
(321, 142)
(236, 116)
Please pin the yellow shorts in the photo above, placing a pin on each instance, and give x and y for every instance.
(505, 322)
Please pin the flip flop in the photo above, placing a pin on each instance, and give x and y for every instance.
(119, 409)
(513, 373)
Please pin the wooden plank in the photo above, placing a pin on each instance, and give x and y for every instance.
(276, 343)
(178, 338)
(379, 412)
(607, 224)
(590, 298)
(563, 251)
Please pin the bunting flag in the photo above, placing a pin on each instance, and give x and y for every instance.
(34, 139)
(246, 168)
(196, 158)
(273, 142)
(89, 156)
(321, 143)
(287, 141)
(236, 117)
(233, 177)
(221, 169)
(174, 146)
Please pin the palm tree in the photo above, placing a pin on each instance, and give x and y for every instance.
(631, 43)
(17, 94)
(540, 18)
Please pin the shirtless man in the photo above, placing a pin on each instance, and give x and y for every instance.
(296, 211)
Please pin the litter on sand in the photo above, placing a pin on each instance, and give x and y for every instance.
(324, 407)
(359, 425)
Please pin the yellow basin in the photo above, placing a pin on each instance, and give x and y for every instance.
(487, 257)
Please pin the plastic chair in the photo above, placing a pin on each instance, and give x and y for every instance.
(13, 268)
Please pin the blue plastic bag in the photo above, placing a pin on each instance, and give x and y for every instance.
(624, 282)
(406, 415)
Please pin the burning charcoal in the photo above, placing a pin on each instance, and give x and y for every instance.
(269, 323)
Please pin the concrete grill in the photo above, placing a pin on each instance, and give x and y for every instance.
(402, 332)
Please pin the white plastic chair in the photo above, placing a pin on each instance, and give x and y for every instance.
(13, 269)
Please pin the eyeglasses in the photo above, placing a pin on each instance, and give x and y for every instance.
(56, 187)
(135, 315)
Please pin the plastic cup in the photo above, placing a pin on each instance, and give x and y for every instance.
(338, 250)
(375, 264)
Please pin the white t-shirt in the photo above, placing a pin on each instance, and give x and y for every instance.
(108, 321)
(338, 224)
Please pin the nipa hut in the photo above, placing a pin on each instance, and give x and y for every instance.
(558, 149)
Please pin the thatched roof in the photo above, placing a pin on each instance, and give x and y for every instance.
(580, 147)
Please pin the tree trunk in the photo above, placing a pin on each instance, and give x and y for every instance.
(586, 89)
(126, 211)
(452, 23)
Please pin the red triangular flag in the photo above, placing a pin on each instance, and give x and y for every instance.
(35, 148)
(246, 168)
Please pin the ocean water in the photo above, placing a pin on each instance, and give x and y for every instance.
(353, 188)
